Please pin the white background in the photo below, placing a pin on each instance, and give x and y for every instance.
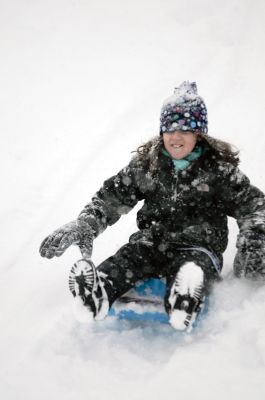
(81, 86)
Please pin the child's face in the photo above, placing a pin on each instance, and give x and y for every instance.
(179, 143)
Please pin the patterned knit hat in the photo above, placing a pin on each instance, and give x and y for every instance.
(185, 110)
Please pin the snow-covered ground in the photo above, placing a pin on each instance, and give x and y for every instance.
(82, 83)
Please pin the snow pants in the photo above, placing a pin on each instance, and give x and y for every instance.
(137, 261)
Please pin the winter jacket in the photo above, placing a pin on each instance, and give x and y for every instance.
(188, 207)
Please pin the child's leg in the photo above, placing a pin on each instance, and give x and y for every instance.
(131, 263)
(189, 280)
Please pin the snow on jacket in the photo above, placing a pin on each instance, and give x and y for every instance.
(188, 207)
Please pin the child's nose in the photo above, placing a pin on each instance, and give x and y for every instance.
(176, 134)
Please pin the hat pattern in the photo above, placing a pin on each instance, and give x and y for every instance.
(185, 111)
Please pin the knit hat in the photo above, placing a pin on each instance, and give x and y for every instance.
(185, 110)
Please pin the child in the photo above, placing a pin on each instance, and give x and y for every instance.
(190, 184)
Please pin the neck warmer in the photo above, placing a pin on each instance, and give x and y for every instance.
(182, 164)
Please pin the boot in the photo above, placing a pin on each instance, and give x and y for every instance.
(86, 285)
(186, 298)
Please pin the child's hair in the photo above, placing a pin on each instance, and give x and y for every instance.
(220, 149)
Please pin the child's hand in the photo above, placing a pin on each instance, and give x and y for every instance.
(250, 258)
(57, 242)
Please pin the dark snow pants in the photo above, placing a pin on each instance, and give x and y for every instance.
(138, 261)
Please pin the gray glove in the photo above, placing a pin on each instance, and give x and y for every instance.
(249, 261)
(57, 242)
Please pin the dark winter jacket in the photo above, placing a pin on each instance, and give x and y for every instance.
(188, 207)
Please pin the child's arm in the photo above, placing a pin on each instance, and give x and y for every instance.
(117, 196)
(245, 203)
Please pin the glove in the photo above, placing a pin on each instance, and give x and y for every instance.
(56, 243)
(249, 261)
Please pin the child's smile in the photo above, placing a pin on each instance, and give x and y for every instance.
(179, 143)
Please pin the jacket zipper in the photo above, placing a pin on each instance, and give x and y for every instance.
(175, 186)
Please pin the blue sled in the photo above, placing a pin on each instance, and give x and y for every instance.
(145, 302)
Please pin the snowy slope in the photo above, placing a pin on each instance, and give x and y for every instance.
(82, 84)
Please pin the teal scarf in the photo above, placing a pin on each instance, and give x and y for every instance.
(179, 165)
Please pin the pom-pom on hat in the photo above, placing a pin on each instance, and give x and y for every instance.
(185, 110)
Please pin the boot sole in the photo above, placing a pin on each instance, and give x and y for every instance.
(186, 297)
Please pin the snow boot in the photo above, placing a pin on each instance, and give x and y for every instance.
(186, 298)
(86, 285)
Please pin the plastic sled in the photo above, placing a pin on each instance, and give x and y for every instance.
(145, 302)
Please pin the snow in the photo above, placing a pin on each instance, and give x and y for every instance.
(82, 85)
